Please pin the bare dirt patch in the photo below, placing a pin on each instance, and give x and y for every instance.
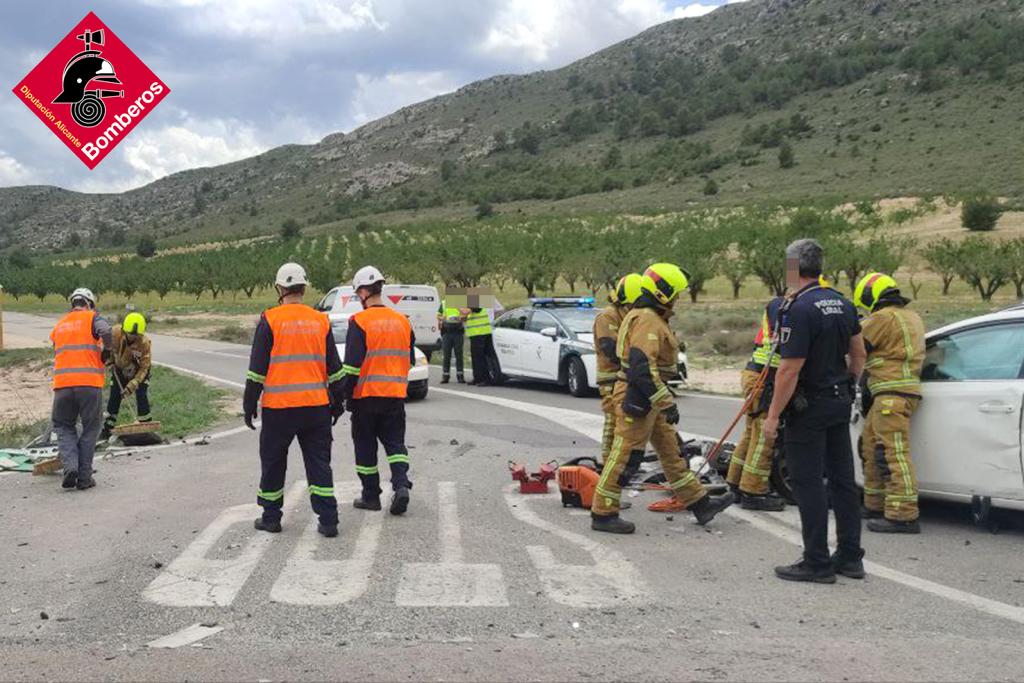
(27, 393)
(716, 380)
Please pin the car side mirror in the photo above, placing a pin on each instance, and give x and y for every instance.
(550, 332)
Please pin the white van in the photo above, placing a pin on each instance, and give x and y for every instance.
(418, 302)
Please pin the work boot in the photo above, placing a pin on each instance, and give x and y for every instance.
(105, 433)
(707, 507)
(868, 513)
(851, 569)
(270, 527)
(802, 572)
(764, 503)
(892, 526)
(327, 530)
(400, 501)
(737, 495)
(613, 524)
(461, 379)
(70, 479)
(85, 483)
(365, 503)
(445, 379)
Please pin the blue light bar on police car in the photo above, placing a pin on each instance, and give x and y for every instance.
(580, 301)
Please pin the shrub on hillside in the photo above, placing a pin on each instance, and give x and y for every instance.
(146, 246)
(980, 213)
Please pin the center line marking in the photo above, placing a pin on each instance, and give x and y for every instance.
(186, 636)
(591, 426)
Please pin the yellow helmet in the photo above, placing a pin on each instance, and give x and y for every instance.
(134, 323)
(664, 281)
(870, 289)
(627, 290)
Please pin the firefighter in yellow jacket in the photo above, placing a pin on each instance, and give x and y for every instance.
(751, 464)
(646, 409)
(131, 361)
(894, 337)
(606, 334)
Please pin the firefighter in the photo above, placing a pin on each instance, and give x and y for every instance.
(894, 338)
(131, 359)
(606, 333)
(78, 386)
(452, 322)
(645, 408)
(294, 364)
(751, 463)
(379, 351)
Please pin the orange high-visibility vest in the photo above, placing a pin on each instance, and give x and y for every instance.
(77, 360)
(297, 376)
(385, 370)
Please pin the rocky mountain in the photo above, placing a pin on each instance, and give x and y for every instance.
(765, 100)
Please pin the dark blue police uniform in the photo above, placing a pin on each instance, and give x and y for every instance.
(817, 327)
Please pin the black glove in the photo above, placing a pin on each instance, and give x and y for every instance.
(671, 414)
(337, 410)
(107, 358)
(250, 402)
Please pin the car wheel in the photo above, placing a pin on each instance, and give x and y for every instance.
(779, 478)
(576, 377)
(418, 390)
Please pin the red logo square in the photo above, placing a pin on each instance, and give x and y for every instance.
(91, 90)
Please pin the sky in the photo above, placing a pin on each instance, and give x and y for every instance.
(249, 75)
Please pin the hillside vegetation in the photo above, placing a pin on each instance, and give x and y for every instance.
(764, 101)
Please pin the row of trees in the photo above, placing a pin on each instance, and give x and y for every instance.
(585, 253)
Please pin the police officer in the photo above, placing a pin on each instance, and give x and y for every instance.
(294, 364)
(78, 386)
(814, 388)
(453, 337)
(646, 409)
(479, 329)
(606, 334)
(894, 337)
(751, 463)
(379, 350)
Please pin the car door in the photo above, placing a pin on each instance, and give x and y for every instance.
(508, 337)
(966, 435)
(540, 354)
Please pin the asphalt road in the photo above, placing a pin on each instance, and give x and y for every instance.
(477, 582)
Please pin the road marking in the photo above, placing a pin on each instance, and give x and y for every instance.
(193, 580)
(450, 582)
(307, 581)
(590, 426)
(224, 353)
(611, 580)
(203, 375)
(186, 636)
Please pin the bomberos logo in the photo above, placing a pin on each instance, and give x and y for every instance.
(91, 90)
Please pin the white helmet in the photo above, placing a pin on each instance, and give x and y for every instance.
(291, 275)
(367, 276)
(83, 293)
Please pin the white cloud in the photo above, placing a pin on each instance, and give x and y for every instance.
(378, 96)
(554, 32)
(152, 153)
(275, 21)
(12, 172)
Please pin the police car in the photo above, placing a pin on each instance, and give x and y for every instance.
(552, 340)
(419, 373)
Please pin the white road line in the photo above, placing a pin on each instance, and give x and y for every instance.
(203, 375)
(307, 581)
(224, 353)
(186, 636)
(450, 582)
(611, 580)
(193, 580)
(590, 426)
